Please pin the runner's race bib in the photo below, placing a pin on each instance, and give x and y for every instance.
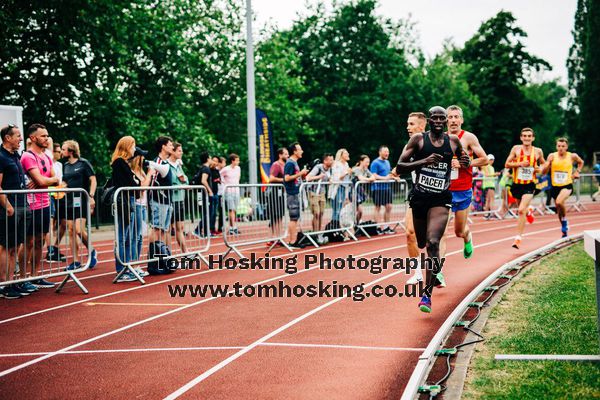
(430, 182)
(560, 177)
(525, 173)
(454, 174)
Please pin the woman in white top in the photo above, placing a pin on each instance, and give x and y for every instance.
(341, 176)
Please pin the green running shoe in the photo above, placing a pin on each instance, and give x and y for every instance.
(441, 280)
(468, 249)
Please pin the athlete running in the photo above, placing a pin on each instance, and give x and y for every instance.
(416, 123)
(525, 161)
(430, 198)
(461, 184)
(560, 165)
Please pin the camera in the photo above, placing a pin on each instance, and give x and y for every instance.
(146, 164)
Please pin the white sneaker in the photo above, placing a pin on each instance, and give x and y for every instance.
(414, 280)
(141, 272)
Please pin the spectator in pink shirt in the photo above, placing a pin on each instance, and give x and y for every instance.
(38, 166)
(230, 175)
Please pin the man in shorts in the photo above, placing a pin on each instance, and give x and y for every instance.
(275, 202)
(526, 161)
(430, 198)
(14, 212)
(292, 180)
(321, 173)
(38, 166)
(461, 183)
(560, 166)
(78, 173)
(382, 191)
(230, 175)
(160, 205)
(178, 178)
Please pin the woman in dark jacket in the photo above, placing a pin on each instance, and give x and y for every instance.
(123, 176)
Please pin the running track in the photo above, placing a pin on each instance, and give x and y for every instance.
(127, 340)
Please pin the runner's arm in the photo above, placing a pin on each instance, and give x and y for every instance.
(413, 145)
(541, 160)
(478, 151)
(547, 164)
(510, 163)
(575, 157)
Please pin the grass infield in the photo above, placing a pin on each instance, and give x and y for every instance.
(551, 309)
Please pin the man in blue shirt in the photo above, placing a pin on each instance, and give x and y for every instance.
(382, 191)
(292, 178)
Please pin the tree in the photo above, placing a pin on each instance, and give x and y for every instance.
(497, 66)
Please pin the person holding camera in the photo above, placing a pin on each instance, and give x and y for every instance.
(342, 178)
(320, 173)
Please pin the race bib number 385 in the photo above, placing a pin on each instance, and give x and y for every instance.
(525, 173)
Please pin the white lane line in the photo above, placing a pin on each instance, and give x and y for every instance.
(136, 304)
(206, 348)
(341, 346)
(178, 277)
(183, 389)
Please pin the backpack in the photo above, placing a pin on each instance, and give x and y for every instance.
(336, 236)
(108, 191)
(160, 267)
(370, 230)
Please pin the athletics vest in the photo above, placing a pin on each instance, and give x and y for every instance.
(462, 178)
(561, 171)
(434, 178)
(525, 175)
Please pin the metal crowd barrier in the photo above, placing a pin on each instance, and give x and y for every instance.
(383, 202)
(160, 226)
(254, 213)
(586, 185)
(326, 207)
(30, 240)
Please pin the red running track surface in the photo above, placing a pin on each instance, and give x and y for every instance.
(128, 340)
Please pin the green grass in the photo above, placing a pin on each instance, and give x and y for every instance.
(552, 310)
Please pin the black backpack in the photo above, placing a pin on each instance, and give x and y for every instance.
(160, 267)
(334, 236)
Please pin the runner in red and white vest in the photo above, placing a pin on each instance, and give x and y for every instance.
(461, 184)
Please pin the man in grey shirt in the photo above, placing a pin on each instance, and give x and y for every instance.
(321, 173)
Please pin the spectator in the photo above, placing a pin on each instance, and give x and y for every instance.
(382, 192)
(342, 180)
(14, 212)
(361, 173)
(58, 223)
(222, 164)
(321, 173)
(78, 174)
(204, 178)
(292, 181)
(160, 201)
(215, 200)
(123, 176)
(596, 171)
(230, 175)
(489, 185)
(178, 178)
(140, 215)
(38, 166)
(275, 205)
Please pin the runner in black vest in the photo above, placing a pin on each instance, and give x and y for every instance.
(430, 198)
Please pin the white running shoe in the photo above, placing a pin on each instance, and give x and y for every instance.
(415, 279)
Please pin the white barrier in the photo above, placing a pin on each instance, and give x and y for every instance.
(25, 232)
(143, 221)
(254, 213)
(384, 202)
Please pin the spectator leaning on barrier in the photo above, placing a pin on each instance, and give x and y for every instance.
(123, 176)
(203, 178)
(160, 205)
(382, 191)
(38, 165)
(292, 181)
(215, 200)
(341, 176)
(178, 178)
(140, 214)
(14, 212)
(58, 223)
(275, 206)
(78, 174)
(230, 175)
(489, 184)
(321, 173)
(221, 191)
(361, 173)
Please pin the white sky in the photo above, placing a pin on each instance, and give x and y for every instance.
(548, 23)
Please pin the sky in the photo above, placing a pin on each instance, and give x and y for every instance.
(548, 23)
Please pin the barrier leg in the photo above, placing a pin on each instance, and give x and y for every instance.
(74, 278)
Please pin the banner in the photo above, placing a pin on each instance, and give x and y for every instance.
(265, 144)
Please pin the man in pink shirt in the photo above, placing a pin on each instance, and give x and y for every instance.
(230, 175)
(38, 167)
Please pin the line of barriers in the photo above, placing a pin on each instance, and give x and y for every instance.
(31, 234)
(32, 224)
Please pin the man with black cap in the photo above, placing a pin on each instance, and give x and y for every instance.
(430, 198)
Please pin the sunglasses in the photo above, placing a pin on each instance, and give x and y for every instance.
(43, 165)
